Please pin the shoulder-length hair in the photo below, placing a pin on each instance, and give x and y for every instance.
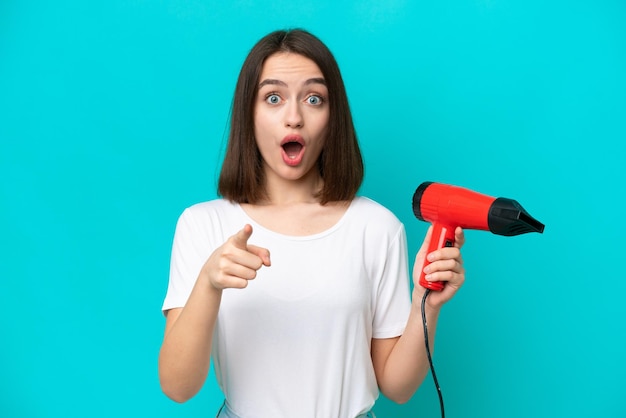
(340, 164)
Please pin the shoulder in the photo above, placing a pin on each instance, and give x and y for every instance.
(374, 211)
(209, 223)
(376, 221)
(210, 214)
(216, 206)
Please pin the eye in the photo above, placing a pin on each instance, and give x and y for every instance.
(315, 100)
(272, 98)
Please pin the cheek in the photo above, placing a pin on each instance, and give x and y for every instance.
(266, 121)
(325, 131)
(321, 125)
(261, 123)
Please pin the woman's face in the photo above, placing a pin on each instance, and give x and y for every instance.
(291, 116)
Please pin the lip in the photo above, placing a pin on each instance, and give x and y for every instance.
(292, 138)
(292, 162)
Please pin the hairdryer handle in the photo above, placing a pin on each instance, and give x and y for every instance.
(442, 236)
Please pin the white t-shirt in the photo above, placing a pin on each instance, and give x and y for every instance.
(296, 342)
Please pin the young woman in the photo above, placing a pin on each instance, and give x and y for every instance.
(294, 286)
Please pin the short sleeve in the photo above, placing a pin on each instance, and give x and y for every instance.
(190, 250)
(393, 299)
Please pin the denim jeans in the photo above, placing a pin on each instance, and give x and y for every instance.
(224, 412)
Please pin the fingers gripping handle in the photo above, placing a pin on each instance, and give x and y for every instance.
(442, 236)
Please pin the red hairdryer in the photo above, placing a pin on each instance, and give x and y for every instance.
(450, 206)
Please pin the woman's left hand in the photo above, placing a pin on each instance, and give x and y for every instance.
(446, 265)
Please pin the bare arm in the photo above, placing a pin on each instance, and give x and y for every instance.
(186, 350)
(185, 353)
(401, 363)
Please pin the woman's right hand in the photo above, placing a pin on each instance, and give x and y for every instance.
(235, 263)
(184, 360)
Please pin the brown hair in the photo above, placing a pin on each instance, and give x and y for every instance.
(242, 179)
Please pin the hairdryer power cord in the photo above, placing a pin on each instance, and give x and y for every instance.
(430, 359)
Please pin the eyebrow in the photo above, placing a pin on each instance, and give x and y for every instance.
(271, 81)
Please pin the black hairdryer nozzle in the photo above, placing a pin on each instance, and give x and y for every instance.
(507, 217)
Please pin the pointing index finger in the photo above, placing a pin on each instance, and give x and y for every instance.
(240, 239)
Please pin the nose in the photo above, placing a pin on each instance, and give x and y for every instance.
(293, 115)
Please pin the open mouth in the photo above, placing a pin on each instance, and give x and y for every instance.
(292, 149)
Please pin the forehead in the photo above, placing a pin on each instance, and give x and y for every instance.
(289, 66)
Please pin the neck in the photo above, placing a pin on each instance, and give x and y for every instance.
(281, 191)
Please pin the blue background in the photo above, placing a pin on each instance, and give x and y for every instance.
(113, 118)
